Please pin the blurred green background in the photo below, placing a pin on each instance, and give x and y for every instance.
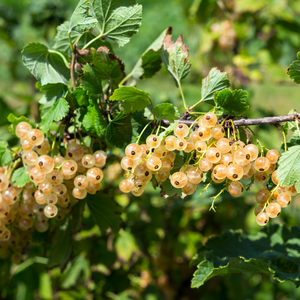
(254, 41)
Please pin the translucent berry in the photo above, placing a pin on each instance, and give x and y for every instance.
(291, 190)
(55, 177)
(81, 182)
(41, 226)
(261, 177)
(180, 144)
(194, 175)
(262, 219)
(181, 130)
(253, 150)
(100, 158)
(160, 151)
(261, 164)
(167, 164)
(45, 187)
(145, 151)
(190, 146)
(26, 145)
(4, 209)
(237, 145)
(88, 161)
(262, 196)
(209, 119)
(59, 189)
(200, 146)
(74, 151)
(138, 192)
(162, 175)
(153, 163)
(35, 136)
(36, 175)
(235, 188)
(128, 163)
(40, 198)
(50, 211)
(204, 133)
(69, 167)
(250, 172)
(284, 199)
(94, 175)
(226, 159)
(79, 193)
(216, 180)
(80, 167)
(179, 180)
(45, 164)
(4, 182)
(189, 188)
(25, 224)
(213, 155)
(51, 199)
(124, 186)
(133, 151)
(273, 156)
(223, 145)
(195, 137)
(246, 168)
(234, 172)
(205, 165)
(220, 171)
(30, 157)
(58, 160)
(242, 157)
(43, 148)
(22, 130)
(171, 155)
(153, 141)
(273, 209)
(258, 209)
(218, 132)
(63, 200)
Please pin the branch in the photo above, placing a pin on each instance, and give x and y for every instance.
(247, 122)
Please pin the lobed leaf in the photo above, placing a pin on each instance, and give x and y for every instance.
(288, 172)
(104, 211)
(56, 113)
(294, 69)
(214, 82)
(133, 98)
(274, 250)
(20, 177)
(117, 19)
(232, 102)
(166, 111)
(175, 57)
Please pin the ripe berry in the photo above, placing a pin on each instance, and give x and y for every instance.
(160, 151)
(273, 156)
(253, 150)
(284, 199)
(50, 211)
(45, 164)
(74, 151)
(35, 137)
(133, 151)
(79, 193)
(51, 199)
(25, 224)
(22, 130)
(40, 198)
(138, 192)
(262, 196)
(226, 159)
(200, 146)
(26, 145)
(261, 177)
(153, 141)
(189, 188)
(153, 163)
(162, 175)
(4, 209)
(213, 155)
(220, 171)
(100, 158)
(45, 187)
(234, 172)
(205, 165)
(242, 157)
(29, 158)
(180, 144)
(36, 175)
(195, 137)
(58, 160)
(258, 209)
(59, 189)
(55, 177)
(166, 164)
(291, 190)
(128, 163)
(69, 167)
(217, 132)
(41, 226)
(190, 146)
(43, 149)
(262, 219)
(181, 130)
(88, 160)
(81, 182)
(94, 175)
(224, 145)
(262, 164)
(194, 175)
(235, 188)
(273, 209)
(179, 180)
(209, 119)
(204, 133)
(4, 182)
(171, 155)
(124, 186)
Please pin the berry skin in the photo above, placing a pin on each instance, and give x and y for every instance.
(195, 137)
(171, 155)
(134, 151)
(180, 144)
(235, 172)
(242, 157)
(55, 177)
(69, 167)
(213, 155)
(189, 188)
(41, 226)
(291, 190)
(138, 192)
(22, 130)
(50, 211)
(262, 196)
(4, 182)
(94, 175)
(51, 199)
(45, 164)
(35, 137)
(25, 224)
(162, 175)
(262, 219)
(235, 188)
(166, 164)
(217, 132)
(220, 171)
(271, 169)
(26, 145)
(100, 158)
(261, 177)
(216, 180)
(4, 209)
(88, 160)
(237, 145)
(179, 180)
(128, 164)
(79, 193)
(29, 158)
(204, 133)
(258, 209)
(36, 175)
(226, 159)
(200, 146)
(145, 151)
(224, 145)
(160, 151)
(74, 151)
(205, 165)
(40, 198)
(45, 187)
(253, 150)
(181, 130)
(273, 209)
(59, 189)
(194, 175)
(261, 164)
(153, 141)
(169, 142)
(284, 199)
(43, 149)
(190, 146)
(273, 156)
(81, 182)
(209, 119)
(153, 163)
(124, 186)
(58, 160)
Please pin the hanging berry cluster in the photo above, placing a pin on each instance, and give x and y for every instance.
(57, 184)
(225, 160)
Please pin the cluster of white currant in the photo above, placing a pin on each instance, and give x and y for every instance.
(57, 182)
(228, 160)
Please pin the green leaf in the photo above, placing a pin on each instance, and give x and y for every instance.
(90, 82)
(138, 122)
(118, 19)
(119, 130)
(150, 61)
(274, 250)
(167, 131)
(166, 111)
(289, 168)
(20, 177)
(176, 57)
(81, 19)
(294, 69)
(234, 102)
(61, 244)
(104, 211)
(48, 66)
(80, 97)
(125, 245)
(93, 122)
(5, 158)
(57, 112)
(133, 98)
(214, 82)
